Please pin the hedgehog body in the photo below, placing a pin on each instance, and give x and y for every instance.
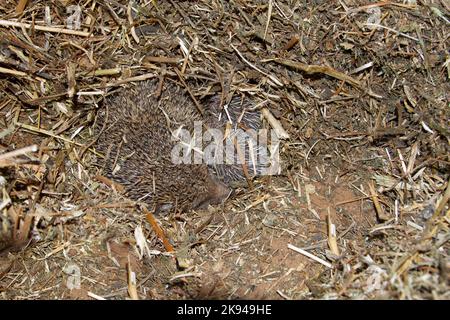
(138, 133)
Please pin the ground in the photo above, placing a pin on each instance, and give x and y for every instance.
(363, 189)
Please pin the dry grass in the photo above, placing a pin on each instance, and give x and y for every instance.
(363, 105)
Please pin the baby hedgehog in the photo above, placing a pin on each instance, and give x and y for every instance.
(137, 135)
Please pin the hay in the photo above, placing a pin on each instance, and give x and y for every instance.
(360, 92)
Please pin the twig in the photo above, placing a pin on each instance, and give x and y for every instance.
(131, 277)
(95, 296)
(332, 238)
(314, 69)
(276, 125)
(131, 22)
(392, 30)
(18, 152)
(13, 72)
(269, 15)
(373, 193)
(159, 232)
(271, 77)
(21, 6)
(120, 188)
(7, 23)
(48, 133)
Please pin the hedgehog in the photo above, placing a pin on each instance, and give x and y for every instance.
(138, 131)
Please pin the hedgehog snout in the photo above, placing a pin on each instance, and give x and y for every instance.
(216, 193)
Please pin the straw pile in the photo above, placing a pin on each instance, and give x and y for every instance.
(358, 91)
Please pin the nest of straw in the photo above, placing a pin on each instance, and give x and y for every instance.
(359, 94)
